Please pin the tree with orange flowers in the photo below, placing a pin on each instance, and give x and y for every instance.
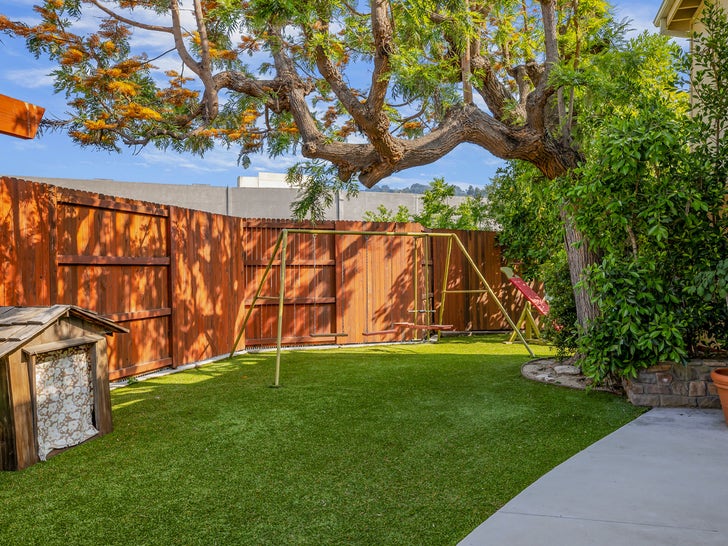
(361, 89)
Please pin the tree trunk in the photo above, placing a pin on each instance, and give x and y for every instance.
(579, 256)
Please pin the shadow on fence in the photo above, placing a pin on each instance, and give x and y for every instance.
(180, 279)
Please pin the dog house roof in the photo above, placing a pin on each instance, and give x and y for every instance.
(18, 325)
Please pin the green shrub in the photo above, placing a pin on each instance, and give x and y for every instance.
(639, 323)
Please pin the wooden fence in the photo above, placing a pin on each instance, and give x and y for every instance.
(180, 279)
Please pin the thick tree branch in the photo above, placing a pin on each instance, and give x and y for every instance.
(548, 14)
(520, 75)
(383, 32)
(535, 72)
(130, 22)
(491, 89)
(210, 98)
(462, 124)
(374, 124)
(294, 91)
(566, 136)
(536, 105)
(466, 69)
(343, 92)
(179, 42)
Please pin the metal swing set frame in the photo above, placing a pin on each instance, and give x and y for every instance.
(281, 248)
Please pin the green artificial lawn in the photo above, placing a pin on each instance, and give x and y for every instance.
(413, 444)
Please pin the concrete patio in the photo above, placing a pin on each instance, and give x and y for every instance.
(660, 480)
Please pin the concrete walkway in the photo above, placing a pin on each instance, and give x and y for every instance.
(661, 480)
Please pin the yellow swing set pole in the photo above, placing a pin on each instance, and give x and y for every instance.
(257, 295)
(415, 283)
(444, 286)
(281, 294)
(429, 302)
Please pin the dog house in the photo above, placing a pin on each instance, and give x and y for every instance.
(54, 381)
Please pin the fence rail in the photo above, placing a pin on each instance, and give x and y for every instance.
(181, 280)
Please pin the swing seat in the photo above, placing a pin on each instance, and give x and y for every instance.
(432, 327)
(380, 332)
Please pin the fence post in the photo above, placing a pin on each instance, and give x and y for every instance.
(171, 280)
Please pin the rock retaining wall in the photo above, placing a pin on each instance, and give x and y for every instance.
(675, 385)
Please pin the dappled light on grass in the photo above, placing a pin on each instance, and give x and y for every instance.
(137, 391)
(413, 444)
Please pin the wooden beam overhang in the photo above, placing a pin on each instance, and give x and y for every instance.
(675, 17)
(19, 119)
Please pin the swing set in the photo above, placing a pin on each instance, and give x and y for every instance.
(426, 325)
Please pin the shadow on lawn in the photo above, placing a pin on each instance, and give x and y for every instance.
(469, 362)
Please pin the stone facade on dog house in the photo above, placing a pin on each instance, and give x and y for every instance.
(54, 387)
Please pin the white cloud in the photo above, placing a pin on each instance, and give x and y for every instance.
(214, 161)
(29, 145)
(30, 78)
(263, 163)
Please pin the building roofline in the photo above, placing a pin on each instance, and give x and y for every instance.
(672, 23)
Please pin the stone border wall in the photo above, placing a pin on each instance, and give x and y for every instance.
(674, 385)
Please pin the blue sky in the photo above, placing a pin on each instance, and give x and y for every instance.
(54, 155)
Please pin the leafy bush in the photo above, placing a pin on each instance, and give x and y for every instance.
(521, 201)
(650, 197)
(437, 212)
(560, 327)
(640, 321)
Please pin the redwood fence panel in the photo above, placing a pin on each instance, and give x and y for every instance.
(310, 296)
(351, 284)
(181, 279)
(113, 256)
(26, 212)
(203, 292)
(374, 282)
